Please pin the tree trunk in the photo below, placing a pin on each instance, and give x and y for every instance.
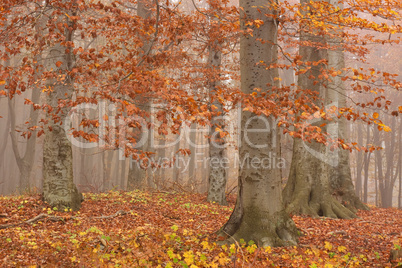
(340, 176)
(259, 214)
(308, 190)
(359, 163)
(380, 189)
(367, 157)
(217, 170)
(176, 165)
(137, 175)
(192, 174)
(400, 164)
(59, 189)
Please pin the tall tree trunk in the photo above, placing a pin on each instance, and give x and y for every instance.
(379, 172)
(367, 157)
(340, 176)
(137, 174)
(25, 162)
(176, 170)
(391, 172)
(217, 170)
(400, 164)
(259, 214)
(3, 146)
(359, 163)
(59, 189)
(161, 153)
(192, 174)
(308, 190)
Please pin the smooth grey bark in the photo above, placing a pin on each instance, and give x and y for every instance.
(308, 189)
(137, 174)
(3, 144)
(161, 171)
(59, 189)
(193, 148)
(400, 165)
(176, 171)
(387, 177)
(24, 162)
(259, 214)
(340, 175)
(217, 178)
(359, 163)
(367, 157)
(315, 187)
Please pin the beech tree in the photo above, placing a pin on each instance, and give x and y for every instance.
(59, 189)
(138, 176)
(316, 178)
(308, 188)
(25, 161)
(259, 213)
(161, 60)
(217, 172)
(340, 176)
(320, 181)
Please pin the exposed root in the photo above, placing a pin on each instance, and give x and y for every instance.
(281, 231)
(326, 207)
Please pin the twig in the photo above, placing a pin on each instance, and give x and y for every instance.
(57, 218)
(33, 220)
(118, 213)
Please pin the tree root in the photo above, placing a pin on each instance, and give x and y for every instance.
(281, 231)
(327, 207)
(58, 218)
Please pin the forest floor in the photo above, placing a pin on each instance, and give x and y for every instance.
(143, 229)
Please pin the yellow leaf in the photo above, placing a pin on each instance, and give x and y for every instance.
(387, 129)
(328, 245)
(2, 82)
(341, 249)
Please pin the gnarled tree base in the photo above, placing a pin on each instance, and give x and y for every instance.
(326, 206)
(264, 229)
(309, 192)
(71, 200)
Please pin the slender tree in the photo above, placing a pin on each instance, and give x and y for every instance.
(340, 175)
(217, 171)
(320, 182)
(137, 175)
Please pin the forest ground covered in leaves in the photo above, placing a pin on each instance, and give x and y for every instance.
(171, 229)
